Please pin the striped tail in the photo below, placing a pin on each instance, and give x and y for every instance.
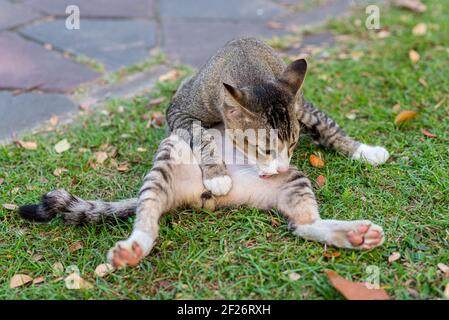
(75, 210)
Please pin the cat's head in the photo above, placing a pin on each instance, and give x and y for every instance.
(263, 119)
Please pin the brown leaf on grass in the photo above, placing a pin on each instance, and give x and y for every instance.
(155, 101)
(19, 280)
(294, 276)
(321, 181)
(316, 161)
(2, 180)
(396, 108)
(62, 146)
(275, 24)
(120, 109)
(59, 171)
(58, 268)
(100, 157)
(382, 34)
(123, 167)
(420, 29)
(355, 290)
(39, 280)
(394, 257)
(170, 76)
(444, 268)
(332, 254)
(446, 291)
(427, 133)
(103, 270)
(423, 82)
(157, 120)
(29, 145)
(414, 56)
(404, 116)
(37, 257)
(77, 245)
(9, 206)
(74, 281)
(413, 5)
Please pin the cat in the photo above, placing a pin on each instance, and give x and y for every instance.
(247, 85)
(245, 88)
(175, 180)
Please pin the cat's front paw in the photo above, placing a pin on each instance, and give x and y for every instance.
(372, 154)
(219, 186)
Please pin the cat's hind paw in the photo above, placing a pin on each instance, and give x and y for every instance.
(361, 234)
(219, 186)
(131, 251)
(372, 154)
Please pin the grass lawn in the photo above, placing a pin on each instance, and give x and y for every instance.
(247, 253)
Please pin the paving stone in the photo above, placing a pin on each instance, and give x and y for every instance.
(220, 9)
(15, 14)
(114, 43)
(98, 8)
(195, 42)
(24, 112)
(26, 64)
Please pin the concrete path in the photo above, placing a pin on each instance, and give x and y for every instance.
(38, 66)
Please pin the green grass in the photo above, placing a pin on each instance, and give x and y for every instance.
(244, 253)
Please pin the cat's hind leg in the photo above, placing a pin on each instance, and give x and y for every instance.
(174, 179)
(296, 201)
(322, 129)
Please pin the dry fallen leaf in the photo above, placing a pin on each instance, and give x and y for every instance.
(157, 120)
(38, 280)
(62, 146)
(103, 269)
(101, 157)
(121, 109)
(355, 290)
(59, 171)
(54, 120)
(9, 206)
(155, 101)
(171, 75)
(444, 268)
(2, 180)
(29, 145)
(420, 29)
(396, 108)
(123, 167)
(274, 25)
(321, 181)
(58, 268)
(316, 161)
(394, 256)
(423, 82)
(38, 257)
(74, 281)
(19, 280)
(76, 246)
(294, 276)
(414, 56)
(414, 5)
(404, 116)
(427, 133)
(382, 34)
(332, 255)
(446, 291)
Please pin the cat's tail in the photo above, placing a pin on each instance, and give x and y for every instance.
(75, 210)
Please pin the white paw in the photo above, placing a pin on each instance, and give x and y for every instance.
(219, 185)
(370, 154)
(131, 251)
(358, 234)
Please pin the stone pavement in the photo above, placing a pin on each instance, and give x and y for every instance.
(38, 66)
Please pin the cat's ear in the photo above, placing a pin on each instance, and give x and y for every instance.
(234, 103)
(294, 75)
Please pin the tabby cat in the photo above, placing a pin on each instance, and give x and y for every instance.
(246, 88)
